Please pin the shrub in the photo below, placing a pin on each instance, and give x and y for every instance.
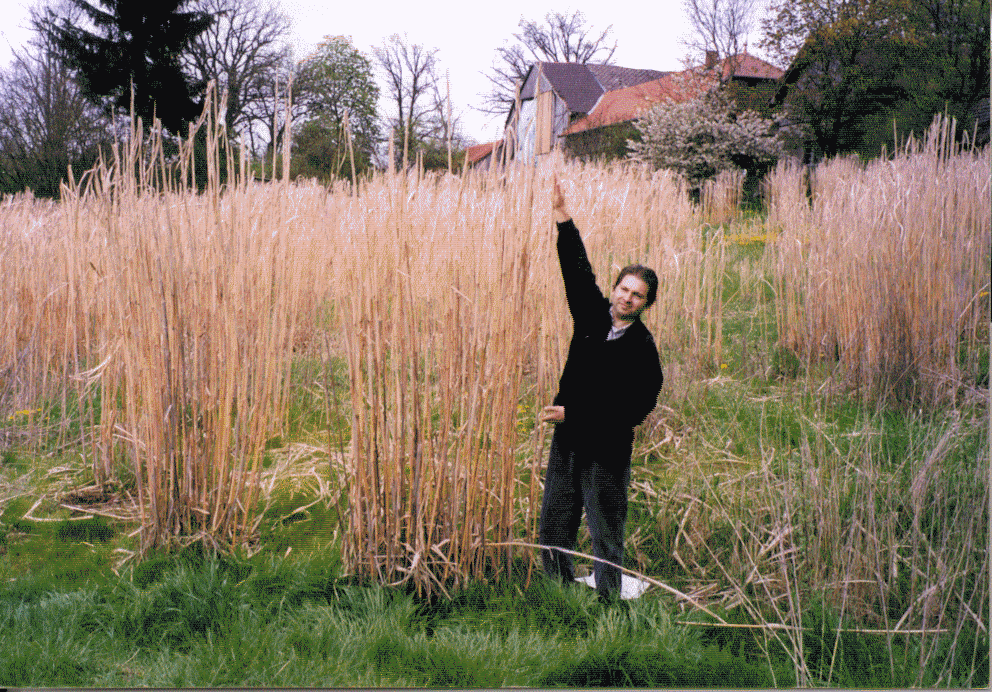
(701, 136)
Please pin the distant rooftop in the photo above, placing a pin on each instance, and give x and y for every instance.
(628, 103)
(582, 84)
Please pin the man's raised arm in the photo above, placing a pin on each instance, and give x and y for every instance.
(585, 300)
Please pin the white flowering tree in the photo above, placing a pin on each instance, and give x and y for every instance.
(701, 136)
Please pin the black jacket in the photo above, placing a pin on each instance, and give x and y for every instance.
(607, 387)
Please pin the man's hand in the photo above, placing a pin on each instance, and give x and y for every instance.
(558, 204)
(552, 414)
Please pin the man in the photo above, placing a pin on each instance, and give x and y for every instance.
(609, 385)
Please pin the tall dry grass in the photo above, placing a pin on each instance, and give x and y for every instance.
(886, 269)
(162, 320)
(168, 324)
(722, 196)
(453, 313)
(891, 547)
(170, 318)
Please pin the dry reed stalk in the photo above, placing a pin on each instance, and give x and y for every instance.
(722, 196)
(181, 314)
(453, 294)
(428, 474)
(888, 277)
(29, 240)
(180, 309)
(830, 527)
(786, 196)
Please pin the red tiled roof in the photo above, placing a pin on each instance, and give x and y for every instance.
(748, 66)
(626, 104)
(478, 151)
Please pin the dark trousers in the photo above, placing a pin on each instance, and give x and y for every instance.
(574, 481)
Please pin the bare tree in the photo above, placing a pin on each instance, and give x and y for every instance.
(444, 134)
(46, 122)
(719, 30)
(561, 38)
(446, 124)
(411, 74)
(242, 51)
(265, 102)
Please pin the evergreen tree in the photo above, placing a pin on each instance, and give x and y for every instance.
(135, 44)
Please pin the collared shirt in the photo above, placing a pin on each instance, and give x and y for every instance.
(616, 332)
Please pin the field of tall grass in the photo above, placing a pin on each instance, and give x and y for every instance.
(260, 368)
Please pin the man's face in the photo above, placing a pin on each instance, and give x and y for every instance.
(629, 298)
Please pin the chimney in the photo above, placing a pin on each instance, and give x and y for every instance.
(711, 58)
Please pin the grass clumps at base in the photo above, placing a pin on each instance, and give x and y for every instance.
(94, 529)
(186, 621)
(195, 620)
(626, 664)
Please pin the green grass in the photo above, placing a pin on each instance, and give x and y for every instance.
(211, 622)
(197, 620)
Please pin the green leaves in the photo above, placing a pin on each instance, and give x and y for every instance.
(338, 88)
(857, 65)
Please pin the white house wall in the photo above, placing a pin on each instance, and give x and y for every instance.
(527, 126)
(526, 131)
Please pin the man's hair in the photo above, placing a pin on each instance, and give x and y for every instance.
(645, 274)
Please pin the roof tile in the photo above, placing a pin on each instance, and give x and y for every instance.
(612, 77)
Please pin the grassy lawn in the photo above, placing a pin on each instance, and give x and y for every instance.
(283, 622)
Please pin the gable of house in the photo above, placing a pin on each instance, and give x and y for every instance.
(573, 82)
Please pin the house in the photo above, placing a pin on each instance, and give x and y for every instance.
(744, 69)
(604, 131)
(554, 94)
(589, 110)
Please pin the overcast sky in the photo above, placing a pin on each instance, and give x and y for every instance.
(647, 33)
